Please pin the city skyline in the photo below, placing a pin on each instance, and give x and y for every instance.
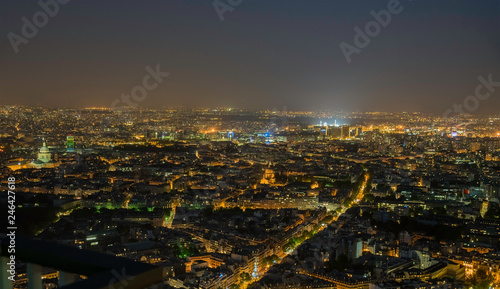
(229, 198)
(250, 144)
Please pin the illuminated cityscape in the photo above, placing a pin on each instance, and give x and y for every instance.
(234, 198)
(238, 144)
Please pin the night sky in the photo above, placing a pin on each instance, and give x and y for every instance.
(264, 54)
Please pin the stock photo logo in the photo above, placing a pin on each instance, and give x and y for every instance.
(372, 29)
(471, 103)
(223, 6)
(119, 280)
(30, 27)
(139, 93)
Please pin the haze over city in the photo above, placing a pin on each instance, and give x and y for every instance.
(264, 54)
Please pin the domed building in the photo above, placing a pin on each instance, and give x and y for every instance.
(268, 178)
(44, 158)
(44, 154)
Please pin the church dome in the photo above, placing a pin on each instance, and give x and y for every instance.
(44, 148)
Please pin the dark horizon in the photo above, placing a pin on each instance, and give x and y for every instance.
(263, 55)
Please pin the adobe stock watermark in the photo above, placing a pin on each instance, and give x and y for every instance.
(372, 29)
(483, 91)
(139, 93)
(223, 6)
(119, 278)
(29, 29)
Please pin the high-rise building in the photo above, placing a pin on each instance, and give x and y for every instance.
(70, 144)
(345, 132)
(359, 130)
(335, 132)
